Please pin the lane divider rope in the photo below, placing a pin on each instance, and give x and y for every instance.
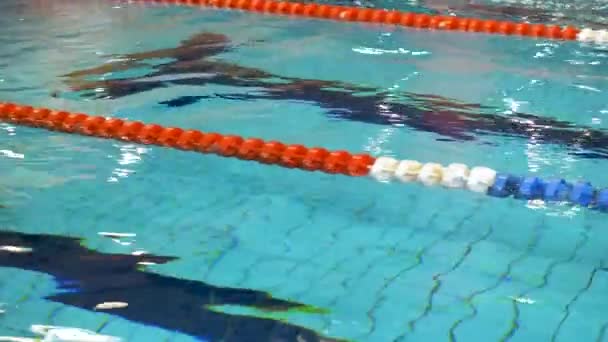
(478, 179)
(399, 18)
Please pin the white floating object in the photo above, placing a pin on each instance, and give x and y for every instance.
(42, 329)
(523, 300)
(146, 263)
(111, 305)
(139, 252)
(67, 334)
(593, 36)
(536, 204)
(384, 168)
(408, 170)
(480, 179)
(117, 235)
(123, 243)
(601, 36)
(431, 174)
(455, 176)
(11, 154)
(17, 339)
(77, 335)
(586, 35)
(15, 249)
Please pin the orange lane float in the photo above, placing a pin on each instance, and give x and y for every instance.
(478, 179)
(266, 152)
(399, 18)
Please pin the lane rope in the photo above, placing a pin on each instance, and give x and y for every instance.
(478, 179)
(399, 18)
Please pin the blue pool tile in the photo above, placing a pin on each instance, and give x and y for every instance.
(427, 218)
(300, 278)
(593, 251)
(12, 288)
(130, 331)
(569, 278)
(268, 273)
(355, 264)
(588, 310)
(495, 313)
(537, 321)
(414, 274)
(417, 241)
(311, 239)
(435, 325)
(302, 243)
(561, 248)
(326, 290)
(389, 317)
(397, 237)
(239, 263)
(491, 258)
(552, 301)
(352, 236)
(74, 317)
(447, 251)
(580, 326)
(463, 281)
(478, 271)
(346, 326)
(177, 337)
(23, 315)
(531, 270)
(515, 236)
(363, 291)
(595, 299)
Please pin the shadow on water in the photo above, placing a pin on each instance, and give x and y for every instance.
(86, 278)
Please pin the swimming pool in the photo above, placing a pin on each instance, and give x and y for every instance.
(221, 249)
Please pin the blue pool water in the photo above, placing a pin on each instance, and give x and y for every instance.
(249, 252)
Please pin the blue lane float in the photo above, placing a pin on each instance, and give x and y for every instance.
(487, 181)
(553, 190)
(602, 200)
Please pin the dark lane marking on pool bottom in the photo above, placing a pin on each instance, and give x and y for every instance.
(191, 66)
(445, 117)
(87, 278)
(440, 117)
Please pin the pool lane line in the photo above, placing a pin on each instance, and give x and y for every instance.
(399, 18)
(478, 179)
(194, 308)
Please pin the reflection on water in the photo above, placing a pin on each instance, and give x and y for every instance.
(87, 278)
